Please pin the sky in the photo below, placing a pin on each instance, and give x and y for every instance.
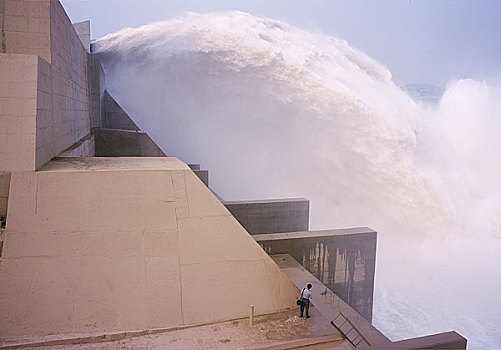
(420, 41)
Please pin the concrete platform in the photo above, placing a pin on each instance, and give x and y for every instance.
(284, 330)
(327, 303)
(113, 164)
(271, 215)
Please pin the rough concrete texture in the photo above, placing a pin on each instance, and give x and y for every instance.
(283, 330)
(18, 111)
(54, 85)
(124, 143)
(114, 244)
(270, 216)
(64, 109)
(343, 259)
(25, 27)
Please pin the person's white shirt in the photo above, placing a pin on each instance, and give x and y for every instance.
(306, 294)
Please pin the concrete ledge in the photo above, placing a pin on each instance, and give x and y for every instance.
(194, 166)
(125, 143)
(313, 234)
(448, 340)
(270, 216)
(113, 164)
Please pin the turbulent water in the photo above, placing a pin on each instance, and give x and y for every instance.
(273, 111)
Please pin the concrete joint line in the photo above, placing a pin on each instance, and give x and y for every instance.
(179, 249)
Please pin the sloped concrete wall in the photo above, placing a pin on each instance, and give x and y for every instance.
(106, 244)
(115, 117)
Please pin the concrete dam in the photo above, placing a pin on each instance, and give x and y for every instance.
(108, 239)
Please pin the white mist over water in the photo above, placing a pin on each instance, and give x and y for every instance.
(273, 112)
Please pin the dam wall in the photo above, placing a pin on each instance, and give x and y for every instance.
(117, 244)
(344, 260)
(45, 87)
(114, 244)
(52, 92)
(272, 215)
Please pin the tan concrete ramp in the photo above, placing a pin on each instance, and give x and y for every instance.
(114, 244)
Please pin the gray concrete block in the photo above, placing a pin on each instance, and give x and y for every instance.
(270, 216)
(203, 175)
(115, 117)
(124, 143)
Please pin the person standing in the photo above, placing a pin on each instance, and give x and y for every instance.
(305, 298)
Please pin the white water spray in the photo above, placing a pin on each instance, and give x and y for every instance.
(273, 111)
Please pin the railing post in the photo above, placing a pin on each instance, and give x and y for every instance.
(251, 316)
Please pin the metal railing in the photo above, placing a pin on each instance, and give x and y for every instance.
(349, 331)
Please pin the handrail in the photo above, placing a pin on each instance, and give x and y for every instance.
(358, 340)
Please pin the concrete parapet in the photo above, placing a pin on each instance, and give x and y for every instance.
(440, 341)
(343, 259)
(124, 143)
(270, 216)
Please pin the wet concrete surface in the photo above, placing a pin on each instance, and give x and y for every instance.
(342, 259)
